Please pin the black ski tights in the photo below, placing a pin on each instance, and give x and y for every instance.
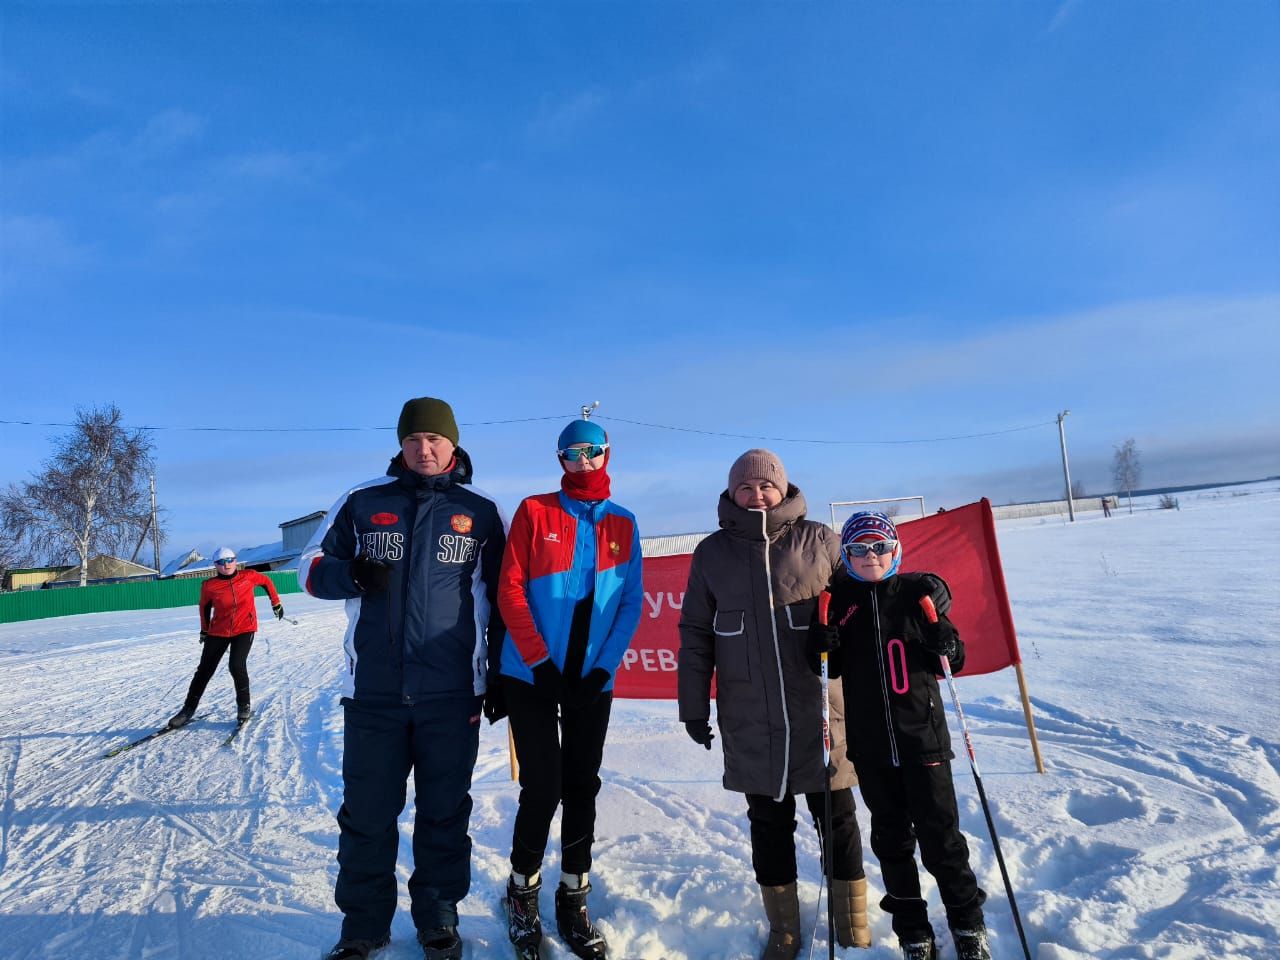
(238, 663)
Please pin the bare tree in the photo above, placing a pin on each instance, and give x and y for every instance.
(91, 497)
(12, 554)
(1077, 490)
(1126, 468)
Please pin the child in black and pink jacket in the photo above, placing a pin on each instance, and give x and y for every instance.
(888, 653)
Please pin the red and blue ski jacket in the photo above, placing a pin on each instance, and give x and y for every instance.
(560, 550)
(428, 634)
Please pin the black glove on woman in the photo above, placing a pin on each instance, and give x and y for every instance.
(590, 687)
(547, 680)
(699, 732)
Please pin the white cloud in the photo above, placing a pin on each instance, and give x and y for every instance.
(35, 246)
(165, 132)
(555, 121)
(278, 165)
(1064, 13)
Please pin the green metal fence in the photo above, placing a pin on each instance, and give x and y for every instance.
(144, 595)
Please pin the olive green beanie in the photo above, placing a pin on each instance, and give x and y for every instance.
(427, 415)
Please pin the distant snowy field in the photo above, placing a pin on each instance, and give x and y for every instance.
(1150, 646)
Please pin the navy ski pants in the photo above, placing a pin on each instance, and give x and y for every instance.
(437, 741)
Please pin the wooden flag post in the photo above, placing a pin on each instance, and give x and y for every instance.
(1026, 712)
(515, 761)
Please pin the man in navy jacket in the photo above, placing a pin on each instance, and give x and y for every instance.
(415, 554)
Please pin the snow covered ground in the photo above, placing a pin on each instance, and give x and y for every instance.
(1149, 645)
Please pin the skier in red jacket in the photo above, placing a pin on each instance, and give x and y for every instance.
(227, 620)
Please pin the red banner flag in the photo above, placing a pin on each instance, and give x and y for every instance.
(648, 669)
(958, 545)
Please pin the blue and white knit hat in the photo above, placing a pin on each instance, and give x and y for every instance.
(868, 526)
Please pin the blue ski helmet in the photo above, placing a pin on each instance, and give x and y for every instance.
(581, 431)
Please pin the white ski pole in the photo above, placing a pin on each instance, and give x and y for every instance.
(931, 614)
(824, 604)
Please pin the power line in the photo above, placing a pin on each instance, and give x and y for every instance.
(750, 436)
(477, 423)
(637, 423)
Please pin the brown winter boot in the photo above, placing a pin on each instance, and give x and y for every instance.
(782, 907)
(849, 898)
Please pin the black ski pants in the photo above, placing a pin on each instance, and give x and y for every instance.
(211, 651)
(436, 740)
(917, 803)
(773, 841)
(560, 748)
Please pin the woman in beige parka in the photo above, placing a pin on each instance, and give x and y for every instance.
(753, 589)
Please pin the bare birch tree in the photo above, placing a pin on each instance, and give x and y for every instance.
(1126, 468)
(91, 497)
(12, 554)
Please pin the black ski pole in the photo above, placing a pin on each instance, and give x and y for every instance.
(931, 613)
(824, 603)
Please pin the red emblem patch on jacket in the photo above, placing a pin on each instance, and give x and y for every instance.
(384, 519)
(461, 523)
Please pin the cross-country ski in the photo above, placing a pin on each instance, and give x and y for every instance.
(235, 731)
(163, 731)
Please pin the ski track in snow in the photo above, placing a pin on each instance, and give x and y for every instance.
(1154, 833)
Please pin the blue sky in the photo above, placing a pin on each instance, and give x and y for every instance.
(864, 223)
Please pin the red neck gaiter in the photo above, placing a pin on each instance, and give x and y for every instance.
(587, 484)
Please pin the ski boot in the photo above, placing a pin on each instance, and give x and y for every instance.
(573, 923)
(243, 713)
(346, 949)
(181, 718)
(971, 944)
(524, 923)
(919, 949)
(442, 943)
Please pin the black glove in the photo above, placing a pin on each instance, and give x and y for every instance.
(495, 701)
(823, 638)
(547, 681)
(204, 635)
(699, 732)
(935, 588)
(370, 575)
(590, 687)
(940, 638)
(278, 610)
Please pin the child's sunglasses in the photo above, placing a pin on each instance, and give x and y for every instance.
(880, 548)
(583, 453)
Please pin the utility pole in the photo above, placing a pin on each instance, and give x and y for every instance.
(1066, 471)
(155, 529)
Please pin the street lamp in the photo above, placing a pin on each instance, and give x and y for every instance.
(1066, 471)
